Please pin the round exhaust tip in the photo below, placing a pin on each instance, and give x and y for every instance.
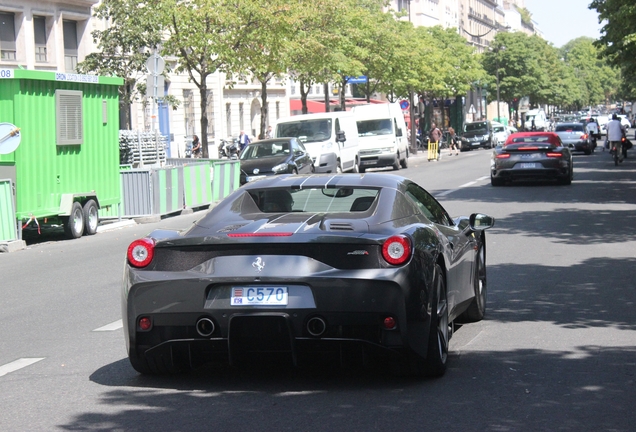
(205, 327)
(316, 326)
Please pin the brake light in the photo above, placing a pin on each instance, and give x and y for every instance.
(554, 155)
(141, 252)
(503, 156)
(528, 148)
(584, 136)
(623, 139)
(396, 250)
(261, 234)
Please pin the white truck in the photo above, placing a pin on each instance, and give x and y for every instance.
(330, 138)
(539, 118)
(382, 134)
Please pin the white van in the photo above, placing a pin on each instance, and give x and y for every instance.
(382, 134)
(330, 138)
(540, 120)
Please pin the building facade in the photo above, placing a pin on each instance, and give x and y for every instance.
(56, 35)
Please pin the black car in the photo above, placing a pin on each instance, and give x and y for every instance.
(529, 156)
(274, 156)
(476, 135)
(306, 266)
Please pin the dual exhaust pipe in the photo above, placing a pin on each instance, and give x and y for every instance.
(316, 326)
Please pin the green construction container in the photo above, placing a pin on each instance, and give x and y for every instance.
(67, 164)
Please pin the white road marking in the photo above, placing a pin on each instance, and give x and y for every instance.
(111, 327)
(450, 191)
(18, 364)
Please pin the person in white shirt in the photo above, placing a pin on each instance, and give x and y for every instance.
(592, 127)
(615, 135)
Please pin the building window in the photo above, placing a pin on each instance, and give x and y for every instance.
(7, 36)
(70, 46)
(188, 112)
(402, 5)
(68, 113)
(39, 34)
(228, 119)
(241, 112)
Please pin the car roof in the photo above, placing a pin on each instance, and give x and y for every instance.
(517, 138)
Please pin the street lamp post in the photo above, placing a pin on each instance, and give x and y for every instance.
(497, 60)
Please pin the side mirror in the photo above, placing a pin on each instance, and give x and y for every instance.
(480, 222)
(398, 133)
(340, 136)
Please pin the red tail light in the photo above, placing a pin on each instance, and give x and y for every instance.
(503, 156)
(261, 234)
(141, 252)
(396, 250)
(528, 148)
(623, 139)
(554, 155)
(584, 136)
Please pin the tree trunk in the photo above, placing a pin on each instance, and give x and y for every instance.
(304, 91)
(326, 97)
(203, 92)
(367, 86)
(264, 106)
(343, 86)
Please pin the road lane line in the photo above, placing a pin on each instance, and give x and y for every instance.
(18, 364)
(450, 191)
(111, 327)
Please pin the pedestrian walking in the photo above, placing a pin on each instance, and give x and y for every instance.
(452, 143)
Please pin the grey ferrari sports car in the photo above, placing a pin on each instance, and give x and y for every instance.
(342, 266)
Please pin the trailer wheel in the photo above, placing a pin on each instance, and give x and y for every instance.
(74, 224)
(91, 218)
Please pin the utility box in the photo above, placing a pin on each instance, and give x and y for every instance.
(67, 164)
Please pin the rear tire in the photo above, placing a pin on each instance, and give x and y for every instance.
(74, 224)
(91, 217)
(494, 181)
(434, 365)
(405, 162)
(396, 164)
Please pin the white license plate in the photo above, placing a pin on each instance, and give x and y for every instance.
(528, 165)
(259, 296)
(252, 178)
(371, 162)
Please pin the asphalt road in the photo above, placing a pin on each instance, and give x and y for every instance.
(557, 350)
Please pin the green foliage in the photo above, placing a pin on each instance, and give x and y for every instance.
(124, 46)
(618, 38)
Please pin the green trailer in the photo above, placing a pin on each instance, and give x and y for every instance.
(67, 164)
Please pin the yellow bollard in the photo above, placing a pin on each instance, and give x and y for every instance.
(432, 150)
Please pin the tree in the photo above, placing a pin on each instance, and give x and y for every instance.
(124, 47)
(618, 37)
(205, 35)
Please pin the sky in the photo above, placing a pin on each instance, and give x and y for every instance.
(564, 20)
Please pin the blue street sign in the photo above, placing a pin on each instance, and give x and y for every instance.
(404, 104)
(357, 80)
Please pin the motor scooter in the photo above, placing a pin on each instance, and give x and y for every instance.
(228, 149)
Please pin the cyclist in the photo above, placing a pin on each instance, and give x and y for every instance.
(614, 136)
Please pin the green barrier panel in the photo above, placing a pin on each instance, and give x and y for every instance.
(196, 182)
(8, 226)
(226, 178)
(167, 190)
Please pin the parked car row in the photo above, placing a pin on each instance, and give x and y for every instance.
(369, 136)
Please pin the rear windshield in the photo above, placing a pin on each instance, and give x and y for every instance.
(330, 200)
(537, 140)
(570, 127)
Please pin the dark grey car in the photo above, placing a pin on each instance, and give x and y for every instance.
(575, 137)
(476, 135)
(303, 267)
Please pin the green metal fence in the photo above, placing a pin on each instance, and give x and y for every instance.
(8, 226)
